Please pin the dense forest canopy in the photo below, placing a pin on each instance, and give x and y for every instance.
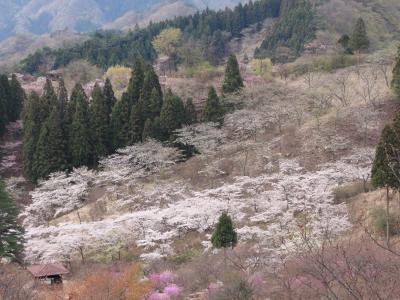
(108, 48)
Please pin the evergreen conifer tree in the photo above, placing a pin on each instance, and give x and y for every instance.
(224, 235)
(3, 108)
(47, 101)
(150, 82)
(386, 169)
(155, 103)
(62, 100)
(359, 39)
(18, 98)
(135, 85)
(120, 121)
(148, 130)
(108, 93)
(11, 233)
(31, 131)
(213, 111)
(396, 75)
(100, 122)
(172, 114)
(190, 112)
(5, 90)
(51, 149)
(136, 123)
(77, 92)
(80, 134)
(233, 81)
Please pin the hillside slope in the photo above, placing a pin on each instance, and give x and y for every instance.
(46, 16)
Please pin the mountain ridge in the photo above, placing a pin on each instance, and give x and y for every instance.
(39, 17)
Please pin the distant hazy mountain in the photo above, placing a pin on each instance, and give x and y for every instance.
(46, 16)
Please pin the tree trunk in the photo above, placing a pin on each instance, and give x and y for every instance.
(387, 219)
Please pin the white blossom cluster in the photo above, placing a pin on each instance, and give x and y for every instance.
(63, 193)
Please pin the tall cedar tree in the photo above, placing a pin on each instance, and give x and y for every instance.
(47, 101)
(134, 90)
(31, 131)
(51, 148)
(213, 111)
(396, 75)
(120, 128)
(150, 97)
(359, 39)
(148, 130)
(109, 95)
(172, 114)
(190, 112)
(80, 135)
(385, 168)
(7, 98)
(3, 107)
(136, 123)
(100, 124)
(11, 233)
(224, 235)
(18, 98)
(233, 81)
(155, 103)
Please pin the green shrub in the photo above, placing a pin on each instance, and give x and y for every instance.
(329, 63)
(378, 221)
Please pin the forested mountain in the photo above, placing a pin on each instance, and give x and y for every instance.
(45, 16)
(209, 29)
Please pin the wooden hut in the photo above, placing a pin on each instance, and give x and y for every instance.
(48, 272)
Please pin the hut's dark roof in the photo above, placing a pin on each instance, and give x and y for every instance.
(47, 270)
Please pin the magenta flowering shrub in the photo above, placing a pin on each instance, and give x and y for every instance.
(165, 287)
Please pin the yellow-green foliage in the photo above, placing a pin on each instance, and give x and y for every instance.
(261, 66)
(203, 68)
(119, 76)
(167, 40)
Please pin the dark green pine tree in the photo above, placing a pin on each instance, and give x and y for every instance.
(396, 75)
(172, 114)
(155, 104)
(190, 112)
(77, 92)
(108, 93)
(134, 90)
(384, 169)
(136, 123)
(31, 131)
(11, 233)
(148, 130)
(100, 122)
(120, 119)
(213, 111)
(18, 97)
(51, 149)
(359, 39)
(224, 235)
(62, 100)
(150, 82)
(3, 108)
(233, 81)
(5, 90)
(47, 101)
(80, 133)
